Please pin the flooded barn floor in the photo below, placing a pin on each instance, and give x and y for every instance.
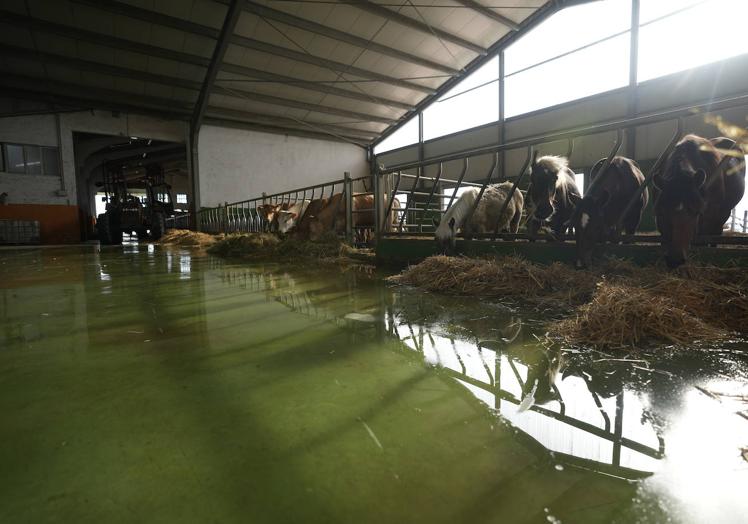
(142, 382)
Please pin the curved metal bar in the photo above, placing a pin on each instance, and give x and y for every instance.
(392, 201)
(431, 196)
(465, 165)
(514, 188)
(469, 216)
(602, 172)
(604, 168)
(410, 198)
(652, 172)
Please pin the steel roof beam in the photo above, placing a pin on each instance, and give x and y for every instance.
(154, 17)
(100, 39)
(86, 96)
(97, 67)
(232, 17)
(148, 50)
(341, 36)
(280, 121)
(179, 82)
(298, 56)
(407, 21)
(311, 86)
(318, 135)
(307, 106)
(490, 13)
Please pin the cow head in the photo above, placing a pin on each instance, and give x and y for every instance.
(268, 211)
(589, 225)
(542, 188)
(286, 220)
(445, 235)
(681, 202)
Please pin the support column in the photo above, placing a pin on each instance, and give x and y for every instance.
(633, 105)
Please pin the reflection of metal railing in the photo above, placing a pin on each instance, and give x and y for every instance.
(495, 377)
(245, 217)
(389, 180)
(178, 221)
(490, 380)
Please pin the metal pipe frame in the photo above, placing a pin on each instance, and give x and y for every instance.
(431, 195)
(298, 56)
(219, 51)
(152, 17)
(341, 36)
(488, 13)
(509, 195)
(391, 201)
(312, 86)
(113, 42)
(424, 28)
(494, 165)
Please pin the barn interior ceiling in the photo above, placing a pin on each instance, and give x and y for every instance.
(347, 69)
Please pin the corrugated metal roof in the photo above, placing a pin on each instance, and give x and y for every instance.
(349, 69)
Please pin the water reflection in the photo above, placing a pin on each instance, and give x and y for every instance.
(630, 419)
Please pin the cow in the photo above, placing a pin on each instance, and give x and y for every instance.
(332, 216)
(599, 212)
(287, 218)
(552, 195)
(699, 185)
(269, 213)
(313, 209)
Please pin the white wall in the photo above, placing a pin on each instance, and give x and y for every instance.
(237, 164)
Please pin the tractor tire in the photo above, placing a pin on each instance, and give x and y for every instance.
(158, 226)
(108, 230)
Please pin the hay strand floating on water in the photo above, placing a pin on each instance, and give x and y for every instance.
(617, 304)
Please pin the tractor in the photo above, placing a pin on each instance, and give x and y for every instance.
(128, 213)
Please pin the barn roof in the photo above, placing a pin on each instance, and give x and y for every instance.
(344, 69)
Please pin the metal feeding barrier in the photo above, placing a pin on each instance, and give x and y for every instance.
(180, 221)
(416, 216)
(245, 216)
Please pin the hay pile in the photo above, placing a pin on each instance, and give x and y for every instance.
(511, 277)
(266, 246)
(620, 315)
(618, 304)
(185, 237)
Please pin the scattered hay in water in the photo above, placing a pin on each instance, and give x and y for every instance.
(264, 246)
(185, 237)
(621, 315)
(617, 304)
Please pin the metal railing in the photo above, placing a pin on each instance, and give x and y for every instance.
(180, 221)
(419, 209)
(245, 216)
(737, 224)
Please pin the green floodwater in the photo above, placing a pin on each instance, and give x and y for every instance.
(154, 384)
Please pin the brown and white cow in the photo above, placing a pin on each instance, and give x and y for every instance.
(287, 218)
(332, 216)
(307, 218)
(700, 184)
